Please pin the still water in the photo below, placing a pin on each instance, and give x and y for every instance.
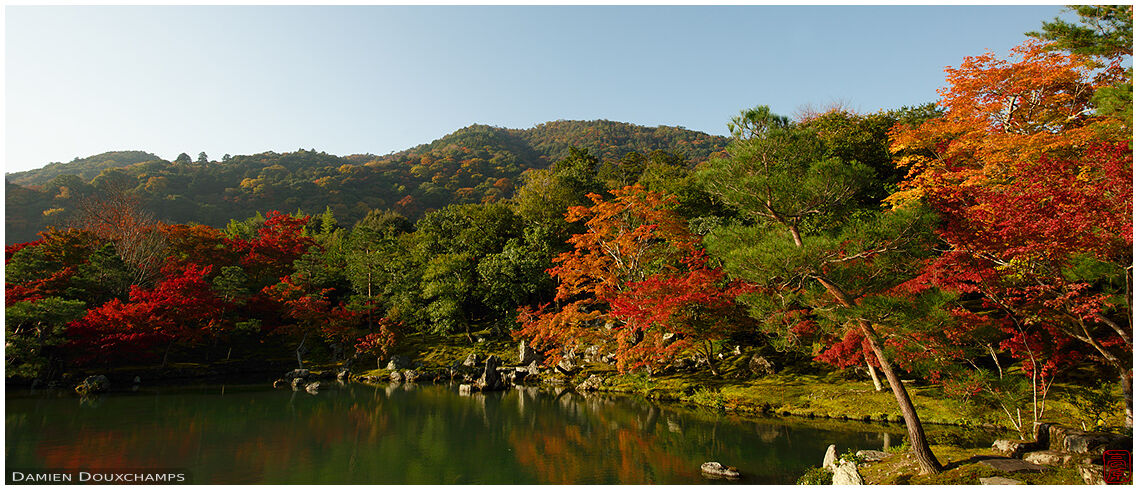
(425, 434)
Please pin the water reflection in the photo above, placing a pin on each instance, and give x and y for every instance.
(422, 434)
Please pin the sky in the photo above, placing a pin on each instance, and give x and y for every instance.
(82, 80)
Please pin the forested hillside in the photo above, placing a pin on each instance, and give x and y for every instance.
(476, 164)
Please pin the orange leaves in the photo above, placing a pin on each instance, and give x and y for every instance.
(1002, 113)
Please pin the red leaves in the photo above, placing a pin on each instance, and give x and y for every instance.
(632, 279)
(181, 307)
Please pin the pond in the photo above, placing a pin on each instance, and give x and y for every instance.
(425, 434)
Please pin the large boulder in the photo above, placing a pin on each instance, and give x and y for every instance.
(312, 388)
(527, 354)
(398, 362)
(715, 469)
(490, 380)
(760, 366)
(870, 455)
(93, 384)
(298, 383)
(846, 474)
(297, 373)
(831, 458)
(472, 360)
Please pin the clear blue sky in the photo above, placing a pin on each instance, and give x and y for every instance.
(82, 80)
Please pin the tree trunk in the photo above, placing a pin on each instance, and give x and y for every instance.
(299, 361)
(925, 457)
(873, 374)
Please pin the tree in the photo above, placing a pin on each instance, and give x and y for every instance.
(34, 331)
(1002, 114)
(117, 216)
(202, 159)
(810, 244)
(1103, 30)
(621, 286)
(1034, 188)
(183, 159)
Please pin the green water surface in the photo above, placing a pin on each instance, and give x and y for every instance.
(426, 434)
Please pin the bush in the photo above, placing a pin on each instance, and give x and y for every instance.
(816, 476)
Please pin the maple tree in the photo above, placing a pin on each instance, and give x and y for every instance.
(622, 284)
(180, 308)
(1034, 188)
(1001, 114)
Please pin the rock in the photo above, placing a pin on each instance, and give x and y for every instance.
(472, 360)
(533, 369)
(344, 374)
(593, 383)
(830, 458)
(409, 376)
(93, 384)
(760, 366)
(593, 353)
(312, 388)
(870, 455)
(465, 389)
(297, 383)
(846, 474)
(1092, 474)
(490, 379)
(527, 354)
(1010, 465)
(566, 366)
(1011, 448)
(398, 362)
(737, 351)
(999, 480)
(669, 337)
(296, 373)
(1049, 458)
(396, 377)
(280, 383)
(713, 468)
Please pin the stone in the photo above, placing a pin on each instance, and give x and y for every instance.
(1010, 465)
(490, 379)
(593, 383)
(1011, 448)
(398, 362)
(465, 389)
(566, 366)
(593, 353)
(409, 376)
(396, 377)
(870, 455)
(344, 374)
(297, 384)
(999, 480)
(533, 369)
(312, 388)
(760, 366)
(830, 458)
(1092, 474)
(280, 383)
(714, 468)
(1049, 458)
(472, 360)
(527, 354)
(846, 474)
(93, 384)
(296, 373)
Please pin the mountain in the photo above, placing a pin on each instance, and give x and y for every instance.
(475, 164)
(84, 168)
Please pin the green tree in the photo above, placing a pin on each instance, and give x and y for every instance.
(810, 242)
(1103, 30)
(34, 331)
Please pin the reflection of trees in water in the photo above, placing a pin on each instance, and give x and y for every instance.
(365, 434)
